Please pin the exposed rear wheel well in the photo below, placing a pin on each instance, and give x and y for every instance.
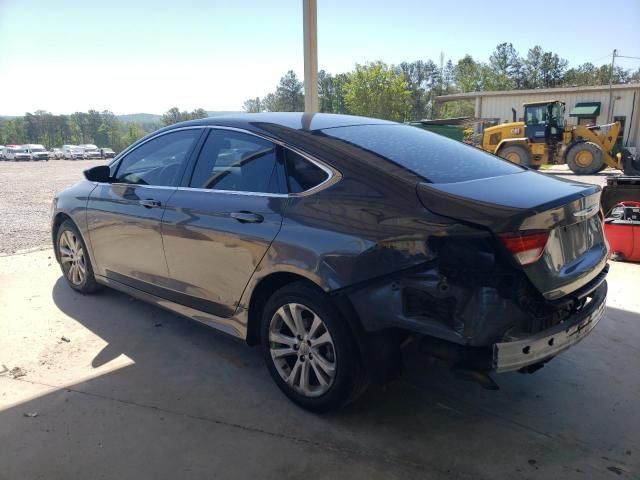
(261, 294)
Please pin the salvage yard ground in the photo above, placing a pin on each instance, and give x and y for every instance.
(107, 387)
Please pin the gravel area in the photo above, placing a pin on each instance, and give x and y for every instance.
(26, 190)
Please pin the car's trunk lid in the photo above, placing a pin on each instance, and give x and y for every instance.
(576, 250)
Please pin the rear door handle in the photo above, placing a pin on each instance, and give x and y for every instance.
(150, 203)
(247, 217)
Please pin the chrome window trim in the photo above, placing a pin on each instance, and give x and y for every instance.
(135, 146)
(333, 175)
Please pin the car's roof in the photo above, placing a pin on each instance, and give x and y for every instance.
(292, 120)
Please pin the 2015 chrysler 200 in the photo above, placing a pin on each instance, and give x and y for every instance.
(330, 240)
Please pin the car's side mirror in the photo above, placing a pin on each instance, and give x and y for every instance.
(101, 174)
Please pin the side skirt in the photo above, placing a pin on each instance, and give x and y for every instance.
(234, 326)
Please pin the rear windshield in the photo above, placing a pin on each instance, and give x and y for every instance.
(433, 157)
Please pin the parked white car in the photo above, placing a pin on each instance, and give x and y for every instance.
(72, 152)
(2, 147)
(17, 153)
(56, 153)
(90, 150)
(36, 151)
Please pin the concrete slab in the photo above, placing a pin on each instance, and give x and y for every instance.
(137, 392)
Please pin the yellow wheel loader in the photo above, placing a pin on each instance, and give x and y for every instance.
(544, 137)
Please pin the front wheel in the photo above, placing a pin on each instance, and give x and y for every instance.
(309, 349)
(74, 258)
(585, 158)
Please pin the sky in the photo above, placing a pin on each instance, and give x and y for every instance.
(133, 56)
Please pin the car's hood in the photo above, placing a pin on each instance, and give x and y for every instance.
(502, 203)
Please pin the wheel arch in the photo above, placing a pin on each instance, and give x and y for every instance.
(511, 142)
(58, 220)
(261, 293)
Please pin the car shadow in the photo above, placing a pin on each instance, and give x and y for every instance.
(423, 420)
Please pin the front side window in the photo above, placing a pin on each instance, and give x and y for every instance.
(236, 161)
(159, 161)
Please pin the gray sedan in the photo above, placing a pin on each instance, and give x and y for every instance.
(332, 241)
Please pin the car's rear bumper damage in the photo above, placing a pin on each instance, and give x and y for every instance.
(519, 353)
(488, 327)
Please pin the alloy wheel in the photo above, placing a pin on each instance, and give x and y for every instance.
(302, 349)
(72, 257)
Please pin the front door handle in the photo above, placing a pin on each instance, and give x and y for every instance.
(247, 217)
(150, 203)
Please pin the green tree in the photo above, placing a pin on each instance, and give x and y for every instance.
(376, 90)
(252, 105)
(506, 66)
(289, 96)
(468, 75)
(552, 69)
(134, 133)
(173, 115)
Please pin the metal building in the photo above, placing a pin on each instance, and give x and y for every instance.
(584, 105)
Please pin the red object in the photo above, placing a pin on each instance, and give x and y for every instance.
(622, 229)
(526, 246)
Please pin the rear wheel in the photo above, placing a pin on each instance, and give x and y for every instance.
(309, 349)
(74, 258)
(585, 158)
(516, 154)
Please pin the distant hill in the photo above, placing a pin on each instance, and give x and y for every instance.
(215, 113)
(147, 118)
(140, 118)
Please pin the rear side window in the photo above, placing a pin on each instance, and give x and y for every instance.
(302, 174)
(433, 157)
(237, 162)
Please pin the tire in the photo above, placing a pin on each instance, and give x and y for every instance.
(74, 260)
(516, 154)
(585, 158)
(333, 367)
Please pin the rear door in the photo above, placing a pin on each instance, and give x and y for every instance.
(124, 216)
(219, 225)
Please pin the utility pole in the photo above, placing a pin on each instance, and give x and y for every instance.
(610, 109)
(310, 33)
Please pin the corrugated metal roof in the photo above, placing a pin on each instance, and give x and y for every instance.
(536, 91)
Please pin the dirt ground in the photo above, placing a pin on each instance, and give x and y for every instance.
(26, 190)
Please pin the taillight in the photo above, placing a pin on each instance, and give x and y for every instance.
(526, 246)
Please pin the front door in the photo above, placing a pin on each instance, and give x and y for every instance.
(217, 228)
(124, 216)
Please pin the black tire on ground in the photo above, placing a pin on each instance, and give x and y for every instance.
(517, 154)
(87, 283)
(349, 377)
(603, 167)
(585, 158)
